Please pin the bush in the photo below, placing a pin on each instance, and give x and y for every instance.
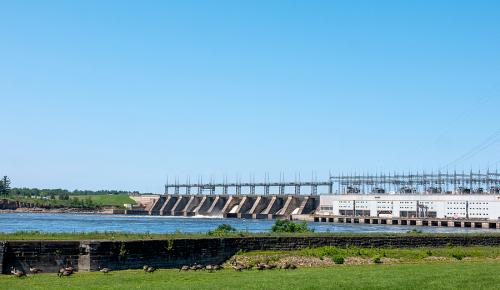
(458, 255)
(286, 226)
(338, 259)
(377, 260)
(414, 231)
(222, 230)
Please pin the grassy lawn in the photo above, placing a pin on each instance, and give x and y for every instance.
(108, 199)
(461, 275)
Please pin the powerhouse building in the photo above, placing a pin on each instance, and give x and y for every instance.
(445, 206)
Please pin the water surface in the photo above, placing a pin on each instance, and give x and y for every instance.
(52, 222)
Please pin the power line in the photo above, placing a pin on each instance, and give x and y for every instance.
(488, 142)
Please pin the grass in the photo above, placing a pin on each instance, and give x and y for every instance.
(462, 275)
(108, 199)
(117, 200)
(37, 235)
(401, 253)
(78, 236)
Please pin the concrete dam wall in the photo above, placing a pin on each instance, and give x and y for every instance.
(50, 256)
(229, 206)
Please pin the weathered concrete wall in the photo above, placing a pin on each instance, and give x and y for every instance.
(2, 252)
(145, 200)
(158, 253)
(51, 256)
(90, 255)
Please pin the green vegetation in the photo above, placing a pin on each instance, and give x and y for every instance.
(414, 231)
(338, 259)
(108, 199)
(377, 259)
(4, 186)
(59, 198)
(37, 235)
(222, 230)
(403, 254)
(461, 275)
(114, 236)
(33, 192)
(287, 226)
(78, 201)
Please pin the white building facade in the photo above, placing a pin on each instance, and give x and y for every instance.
(472, 206)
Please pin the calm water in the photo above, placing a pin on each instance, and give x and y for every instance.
(12, 222)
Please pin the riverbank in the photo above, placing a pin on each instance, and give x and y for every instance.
(99, 203)
(129, 236)
(57, 210)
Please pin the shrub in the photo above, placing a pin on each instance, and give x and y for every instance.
(222, 230)
(414, 231)
(377, 260)
(338, 259)
(458, 255)
(286, 226)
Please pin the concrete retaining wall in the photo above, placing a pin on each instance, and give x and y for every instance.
(51, 256)
(90, 255)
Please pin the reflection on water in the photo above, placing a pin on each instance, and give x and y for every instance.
(49, 222)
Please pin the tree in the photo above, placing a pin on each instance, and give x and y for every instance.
(5, 186)
(286, 226)
(222, 230)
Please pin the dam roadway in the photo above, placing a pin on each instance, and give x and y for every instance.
(247, 206)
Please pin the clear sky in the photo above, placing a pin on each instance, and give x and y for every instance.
(122, 94)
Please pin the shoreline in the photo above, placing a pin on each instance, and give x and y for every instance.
(56, 210)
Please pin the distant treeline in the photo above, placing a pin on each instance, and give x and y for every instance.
(62, 192)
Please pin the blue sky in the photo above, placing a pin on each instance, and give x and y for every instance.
(122, 94)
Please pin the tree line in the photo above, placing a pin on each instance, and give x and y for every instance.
(63, 194)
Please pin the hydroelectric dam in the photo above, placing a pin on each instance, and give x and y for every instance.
(233, 200)
(458, 199)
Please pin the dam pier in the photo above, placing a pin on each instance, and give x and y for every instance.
(227, 206)
(233, 200)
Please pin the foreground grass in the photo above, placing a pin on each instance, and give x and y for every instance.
(407, 276)
(37, 235)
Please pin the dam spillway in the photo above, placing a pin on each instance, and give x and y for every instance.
(249, 206)
(251, 200)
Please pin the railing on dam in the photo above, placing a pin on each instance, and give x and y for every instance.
(264, 188)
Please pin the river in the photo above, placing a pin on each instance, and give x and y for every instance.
(53, 222)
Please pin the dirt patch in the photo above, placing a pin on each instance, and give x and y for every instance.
(300, 261)
(357, 261)
(391, 261)
(436, 259)
(306, 261)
